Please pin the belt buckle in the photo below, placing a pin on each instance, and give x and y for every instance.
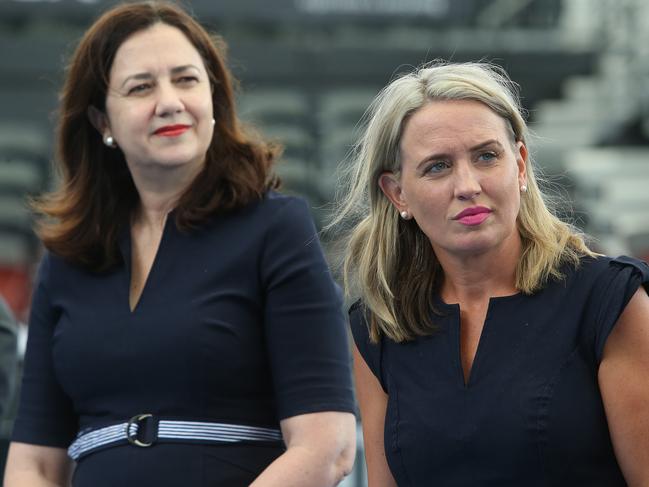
(132, 436)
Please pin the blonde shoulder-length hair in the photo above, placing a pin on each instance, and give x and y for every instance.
(388, 262)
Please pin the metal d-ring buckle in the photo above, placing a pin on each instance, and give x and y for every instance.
(132, 438)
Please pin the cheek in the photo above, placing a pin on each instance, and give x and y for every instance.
(204, 115)
(429, 204)
(511, 199)
(505, 186)
(206, 136)
(201, 102)
(431, 194)
(208, 107)
(126, 119)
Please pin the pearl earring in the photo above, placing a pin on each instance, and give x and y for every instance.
(405, 215)
(213, 122)
(523, 189)
(110, 141)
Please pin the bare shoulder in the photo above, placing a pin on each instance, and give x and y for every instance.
(630, 335)
(624, 384)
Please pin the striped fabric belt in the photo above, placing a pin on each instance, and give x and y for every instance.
(144, 430)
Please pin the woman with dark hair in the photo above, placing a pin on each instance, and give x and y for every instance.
(185, 329)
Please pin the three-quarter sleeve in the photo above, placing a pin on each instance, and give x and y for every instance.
(45, 415)
(304, 324)
(615, 288)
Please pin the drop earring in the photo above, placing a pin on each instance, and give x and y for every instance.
(523, 189)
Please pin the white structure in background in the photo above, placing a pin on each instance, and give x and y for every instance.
(612, 183)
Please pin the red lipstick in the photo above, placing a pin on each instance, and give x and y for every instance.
(473, 216)
(172, 130)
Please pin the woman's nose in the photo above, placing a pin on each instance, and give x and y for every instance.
(168, 101)
(467, 182)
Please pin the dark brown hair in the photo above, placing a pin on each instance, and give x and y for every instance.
(83, 217)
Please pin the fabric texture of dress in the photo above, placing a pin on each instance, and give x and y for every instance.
(531, 412)
(239, 322)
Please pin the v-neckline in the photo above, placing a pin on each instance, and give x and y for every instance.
(127, 253)
(467, 377)
(484, 332)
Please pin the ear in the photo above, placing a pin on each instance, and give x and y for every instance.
(98, 119)
(521, 162)
(391, 187)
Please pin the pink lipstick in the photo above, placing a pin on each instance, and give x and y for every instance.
(473, 216)
(172, 130)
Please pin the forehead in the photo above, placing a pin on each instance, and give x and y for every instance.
(157, 48)
(444, 124)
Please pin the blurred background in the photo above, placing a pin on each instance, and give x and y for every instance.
(308, 70)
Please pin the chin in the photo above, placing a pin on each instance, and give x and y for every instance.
(474, 247)
(178, 160)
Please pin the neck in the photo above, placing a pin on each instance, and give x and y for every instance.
(153, 210)
(159, 189)
(476, 278)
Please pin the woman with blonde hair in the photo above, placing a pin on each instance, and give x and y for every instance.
(492, 346)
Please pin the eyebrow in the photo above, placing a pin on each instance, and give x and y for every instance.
(475, 148)
(147, 75)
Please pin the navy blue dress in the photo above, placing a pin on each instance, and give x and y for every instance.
(239, 322)
(531, 413)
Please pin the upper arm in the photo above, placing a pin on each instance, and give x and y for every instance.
(37, 466)
(305, 328)
(46, 414)
(624, 384)
(373, 403)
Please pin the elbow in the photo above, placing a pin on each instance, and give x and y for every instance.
(322, 446)
(335, 463)
(341, 462)
(344, 463)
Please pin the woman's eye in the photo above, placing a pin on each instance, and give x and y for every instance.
(437, 167)
(187, 80)
(487, 156)
(134, 90)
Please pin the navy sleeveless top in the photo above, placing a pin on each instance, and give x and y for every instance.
(531, 412)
